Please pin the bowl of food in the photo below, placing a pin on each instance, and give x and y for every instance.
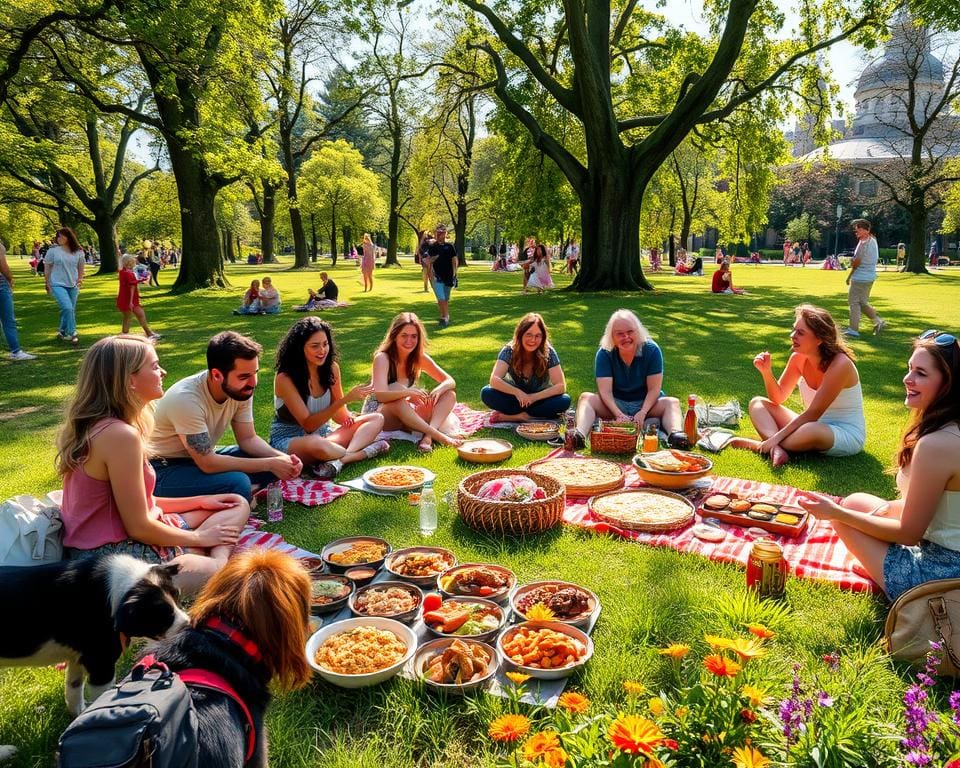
(343, 554)
(361, 575)
(554, 601)
(455, 665)
(471, 617)
(329, 592)
(486, 450)
(548, 650)
(355, 653)
(395, 600)
(671, 469)
(397, 478)
(486, 580)
(420, 565)
(540, 431)
(311, 564)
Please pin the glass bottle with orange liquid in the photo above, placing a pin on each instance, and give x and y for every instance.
(690, 421)
(650, 440)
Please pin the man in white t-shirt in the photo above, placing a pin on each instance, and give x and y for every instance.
(863, 273)
(194, 414)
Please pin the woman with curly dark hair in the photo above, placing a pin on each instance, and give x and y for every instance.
(308, 393)
(821, 364)
(916, 538)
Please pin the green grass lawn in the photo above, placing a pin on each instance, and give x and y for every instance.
(650, 597)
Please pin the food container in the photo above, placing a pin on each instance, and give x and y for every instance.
(407, 617)
(395, 560)
(361, 575)
(322, 583)
(422, 475)
(430, 649)
(487, 450)
(671, 480)
(581, 619)
(546, 674)
(487, 636)
(499, 594)
(311, 564)
(540, 431)
(614, 438)
(362, 680)
(515, 518)
(342, 545)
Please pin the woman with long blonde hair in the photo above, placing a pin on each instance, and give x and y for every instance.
(367, 262)
(108, 503)
(397, 365)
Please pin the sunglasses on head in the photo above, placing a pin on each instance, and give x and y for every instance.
(940, 339)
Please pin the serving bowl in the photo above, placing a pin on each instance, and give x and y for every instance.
(581, 619)
(317, 605)
(396, 559)
(431, 649)
(487, 636)
(487, 450)
(497, 594)
(342, 545)
(539, 672)
(670, 480)
(407, 616)
(362, 680)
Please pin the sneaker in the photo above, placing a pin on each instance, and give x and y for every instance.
(850, 333)
(74, 339)
(878, 327)
(21, 355)
(325, 470)
(154, 337)
(61, 336)
(376, 449)
(577, 441)
(443, 323)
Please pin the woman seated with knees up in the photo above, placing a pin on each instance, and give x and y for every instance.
(397, 365)
(527, 380)
(832, 421)
(108, 503)
(915, 538)
(308, 394)
(629, 372)
(251, 300)
(723, 280)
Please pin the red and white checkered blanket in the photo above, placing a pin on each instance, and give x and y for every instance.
(251, 536)
(816, 554)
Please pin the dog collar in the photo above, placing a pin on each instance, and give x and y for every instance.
(235, 636)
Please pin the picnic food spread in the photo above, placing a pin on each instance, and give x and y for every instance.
(461, 662)
(762, 512)
(396, 477)
(418, 564)
(328, 589)
(386, 601)
(511, 488)
(566, 602)
(477, 581)
(359, 552)
(675, 461)
(538, 430)
(541, 647)
(463, 618)
(643, 509)
(581, 476)
(360, 650)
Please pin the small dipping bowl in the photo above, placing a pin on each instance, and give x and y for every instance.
(360, 575)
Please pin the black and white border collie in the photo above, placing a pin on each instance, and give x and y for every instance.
(83, 612)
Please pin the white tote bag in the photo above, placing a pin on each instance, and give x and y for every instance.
(31, 530)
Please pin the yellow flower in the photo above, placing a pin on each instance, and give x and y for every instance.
(675, 650)
(655, 705)
(517, 678)
(748, 757)
(681, 712)
(540, 612)
(633, 688)
(539, 744)
(573, 702)
(747, 649)
(760, 631)
(509, 728)
(717, 643)
(754, 695)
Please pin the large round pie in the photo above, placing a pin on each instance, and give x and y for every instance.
(643, 509)
(580, 476)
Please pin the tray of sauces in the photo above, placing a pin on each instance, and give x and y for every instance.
(755, 512)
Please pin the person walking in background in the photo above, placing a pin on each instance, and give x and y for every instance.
(7, 319)
(423, 251)
(153, 261)
(63, 274)
(573, 256)
(443, 263)
(368, 262)
(863, 273)
(128, 298)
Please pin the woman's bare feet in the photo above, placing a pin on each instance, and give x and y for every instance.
(426, 444)
(745, 443)
(779, 456)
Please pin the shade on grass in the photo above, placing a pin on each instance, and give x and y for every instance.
(650, 597)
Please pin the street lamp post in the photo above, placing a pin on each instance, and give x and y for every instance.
(836, 235)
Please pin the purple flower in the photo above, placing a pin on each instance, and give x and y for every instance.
(824, 699)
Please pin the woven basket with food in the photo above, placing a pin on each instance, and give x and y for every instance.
(510, 501)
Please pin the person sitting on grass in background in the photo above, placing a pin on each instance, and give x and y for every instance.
(269, 298)
(251, 300)
(397, 365)
(325, 298)
(527, 381)
(308, 394)
(540, 277)
(108, 503)
(821, 364)
(128, 298)
(915, 538)
(723, 280)
(629, 372)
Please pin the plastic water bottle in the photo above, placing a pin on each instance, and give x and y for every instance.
(428, 509)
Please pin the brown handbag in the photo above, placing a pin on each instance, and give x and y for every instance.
(928, 612)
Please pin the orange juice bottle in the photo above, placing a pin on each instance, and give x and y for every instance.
(690, 421)
(650, 440)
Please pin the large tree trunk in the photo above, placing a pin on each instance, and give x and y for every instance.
(268, 223)
(610, 232)
(916, 253)
(333, 231)
(460, 225)
(106, 237)
(201, 265)
(301, 258)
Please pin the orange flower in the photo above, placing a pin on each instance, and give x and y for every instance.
(717, 643)
(517, 678)
(509, 728)
(681, 712)
(675, 650)
(555, 758)
(754, 695)
(635, 735)
(721, 666)
(747, 649)
(760, 631)
(540, 744)
(748, 757)
(633, 688)
(573, 702)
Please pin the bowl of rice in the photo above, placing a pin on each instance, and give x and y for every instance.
(355, 653)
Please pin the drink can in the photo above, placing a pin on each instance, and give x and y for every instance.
(274, 504)
(570, 425)
(767, 569)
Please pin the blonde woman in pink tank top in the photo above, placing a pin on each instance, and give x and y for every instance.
(108, 503)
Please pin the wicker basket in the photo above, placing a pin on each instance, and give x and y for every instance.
(613, 441)
(515, 518)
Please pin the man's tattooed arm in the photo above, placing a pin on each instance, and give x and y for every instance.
(199, 443)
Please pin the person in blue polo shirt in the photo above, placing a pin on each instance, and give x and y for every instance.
(629, 372)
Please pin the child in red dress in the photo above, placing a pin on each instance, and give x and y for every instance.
(128, 298)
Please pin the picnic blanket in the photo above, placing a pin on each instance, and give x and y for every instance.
(816, 554)
(463, 421)
(252, 536)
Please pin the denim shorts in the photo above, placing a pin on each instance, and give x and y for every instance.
(848, 439)
(281, 433)
(630, 407)
(440, 289)
(906, 567)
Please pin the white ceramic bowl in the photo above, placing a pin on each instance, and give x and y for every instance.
(370, 678)
(580, 620)
(547, 674)
(430, 649)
